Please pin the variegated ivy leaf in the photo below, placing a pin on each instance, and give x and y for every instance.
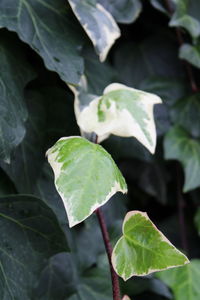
(122, 111)
(143, 249)
(98, 23)
(86, 176)
(126, 298)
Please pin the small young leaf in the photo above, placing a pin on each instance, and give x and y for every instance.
(126, 298)
(143, 249)
(98, 24)
(121, 111)
(184, 281)
(179, 145)
(86, 176)
(191, 54)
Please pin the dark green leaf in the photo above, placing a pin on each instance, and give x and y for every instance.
(197, 220)
(180, 146)
(30, 234)
(15, 74)
(22, 170)
(124, 11)
(185, 111)
(50, 29)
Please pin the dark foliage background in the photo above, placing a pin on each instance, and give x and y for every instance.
(42, 46)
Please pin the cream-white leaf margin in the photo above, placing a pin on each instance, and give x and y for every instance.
(119, 122)
(98, 23)
(126, 298)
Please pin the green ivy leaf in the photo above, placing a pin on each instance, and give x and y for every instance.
(30, 234)
(184, 281)
(124, 11)
(179, 145)
(187, 16)
(49, 28)
(13, 109)
(143, 249)
(185, 111)
(197, 220)
(98, 24)
(191, 54)
(86, 176)
(121, 111)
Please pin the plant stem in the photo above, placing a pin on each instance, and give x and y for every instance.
(180, 39)
(115, 281)
(181, 215)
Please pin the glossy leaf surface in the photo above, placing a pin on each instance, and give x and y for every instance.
(179, 145)
(86, 176)
(98, 24)
(47, 27)
(143, 249)
(30, 234)
(121, 111)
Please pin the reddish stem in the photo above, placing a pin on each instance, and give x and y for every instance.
(115, 281)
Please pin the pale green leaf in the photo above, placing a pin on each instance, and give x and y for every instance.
(50, 29)
(86, 176)
(143, 249)
(187, 15)
(179, 145)
(98, 24)
(124, 11)
(191, 54)
(126, 298)
(197, 220)
(121, 111)
(184, 281)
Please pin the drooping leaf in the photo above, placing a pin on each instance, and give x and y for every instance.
(143, 249)
(121, 111)
(160, 5)
(179, 145)
(22, 171)
(197, 220)
(184, 281)
(187, 15)
(13, 109)
(98, 24)
(191, 54)
(86, 176)
(185, 111)
(50, 29)
(30, 234)
(124, 11)
(65, 279)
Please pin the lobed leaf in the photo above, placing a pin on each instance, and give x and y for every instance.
(86, 176)
(98, 24)
(178, 144)
(184, 281)
(48, 28)
(121, 111)
(143, 249)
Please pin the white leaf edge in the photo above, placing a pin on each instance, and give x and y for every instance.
(120, 123)
(126, 297)
(56, 166)
(109, 36)
(163, 238)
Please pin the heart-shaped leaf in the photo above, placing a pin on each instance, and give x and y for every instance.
(143, 249)
(86, 176)
(121, 111)
(98, 24)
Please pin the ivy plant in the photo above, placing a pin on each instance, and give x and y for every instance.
(99, 149)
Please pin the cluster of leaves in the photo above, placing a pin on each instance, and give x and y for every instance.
(46, 44)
